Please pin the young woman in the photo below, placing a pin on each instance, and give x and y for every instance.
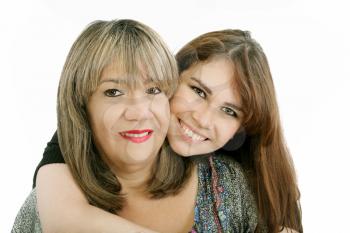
(113, 115)
(263, 153)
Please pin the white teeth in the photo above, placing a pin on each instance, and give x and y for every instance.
(135, 135)
(191, 134)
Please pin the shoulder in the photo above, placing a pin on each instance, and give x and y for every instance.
(228, 166)
(27, 219)
(231, 177)
(225, 170)
(235, 193)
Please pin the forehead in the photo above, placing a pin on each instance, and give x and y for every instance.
(114, 71)
(217, 74)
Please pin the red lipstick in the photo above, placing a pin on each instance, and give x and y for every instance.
(137, 136)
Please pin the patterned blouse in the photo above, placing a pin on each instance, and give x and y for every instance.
(224, 202)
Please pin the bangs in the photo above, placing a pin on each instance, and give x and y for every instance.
(137, 57)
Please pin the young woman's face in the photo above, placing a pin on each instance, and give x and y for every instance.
(206, 108)
(129, 125)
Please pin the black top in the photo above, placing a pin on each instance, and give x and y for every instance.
(52, 154)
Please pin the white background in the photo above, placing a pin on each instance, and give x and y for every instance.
(307, 43)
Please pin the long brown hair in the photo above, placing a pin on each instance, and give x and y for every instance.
(128, 44)
(264, 154)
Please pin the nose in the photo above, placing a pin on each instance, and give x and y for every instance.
(137, 109)
(203, 115)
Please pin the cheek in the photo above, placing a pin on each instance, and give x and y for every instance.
(105, 117)
(182, 101)
(175, 106)
(226, 129)
(111, 118)
(161, 111)
(95, 119)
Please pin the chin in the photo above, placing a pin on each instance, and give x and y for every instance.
(179, 149)
(184, 150)
(184, 154)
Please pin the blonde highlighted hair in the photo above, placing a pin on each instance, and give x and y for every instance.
(133, 47)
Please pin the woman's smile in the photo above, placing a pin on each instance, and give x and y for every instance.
(205, 110)
(189, 134)
(137, 136)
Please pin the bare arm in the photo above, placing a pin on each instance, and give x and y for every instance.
(63, 207)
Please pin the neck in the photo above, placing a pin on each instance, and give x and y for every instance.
(134, 178)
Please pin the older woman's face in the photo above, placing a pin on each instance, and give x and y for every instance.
(206, 108)
(129, 125)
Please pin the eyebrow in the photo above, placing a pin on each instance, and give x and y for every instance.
(122, 81)
(233, 106)
(209, 91)
(117, 81)
(205, 87)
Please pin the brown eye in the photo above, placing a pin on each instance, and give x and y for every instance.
(153, 91)
(113, 93)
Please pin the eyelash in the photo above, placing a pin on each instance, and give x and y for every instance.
(115, 92)
(202, 94)
(112, 93)
(199, 91)
(232, 112)
(154, 89)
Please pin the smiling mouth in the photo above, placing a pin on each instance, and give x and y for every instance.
(137, 136)
(189, 135)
